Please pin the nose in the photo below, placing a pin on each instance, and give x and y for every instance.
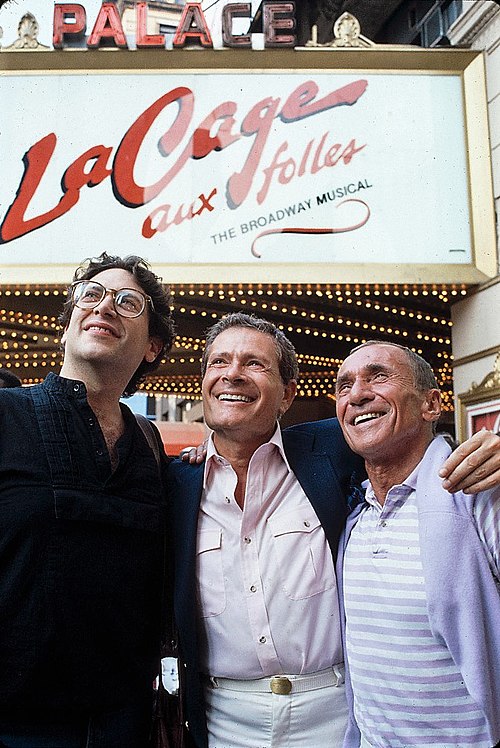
(107, 304)
(233, 372)
(360, 392)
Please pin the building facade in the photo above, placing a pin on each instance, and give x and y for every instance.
(453, 324)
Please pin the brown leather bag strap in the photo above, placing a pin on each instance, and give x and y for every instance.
(148, 430)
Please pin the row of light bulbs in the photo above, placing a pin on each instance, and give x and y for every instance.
(320, 317)
(190, 386)
(396, 289)
(351, 337)
(254, 298)
(230, 294)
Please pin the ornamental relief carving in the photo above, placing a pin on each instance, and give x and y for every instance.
(27, 36)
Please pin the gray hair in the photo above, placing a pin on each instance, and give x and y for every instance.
(423, 376)
(287, 357)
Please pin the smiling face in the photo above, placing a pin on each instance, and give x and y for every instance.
(103, 340)
(384, 416)
(243, 393)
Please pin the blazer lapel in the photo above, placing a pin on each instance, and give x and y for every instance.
(186, 488)
(315, 473)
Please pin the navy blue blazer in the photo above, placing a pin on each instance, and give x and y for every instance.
(324, 466)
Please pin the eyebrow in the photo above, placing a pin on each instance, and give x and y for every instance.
(231, 353)
(375, 368)
(369, 369)
(245, 357)
(344, 378)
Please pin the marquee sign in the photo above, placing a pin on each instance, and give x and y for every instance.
(70, 24)
(294, 165)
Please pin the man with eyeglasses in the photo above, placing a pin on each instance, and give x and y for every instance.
(82, 543)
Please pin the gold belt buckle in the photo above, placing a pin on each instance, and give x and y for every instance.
(281, 685)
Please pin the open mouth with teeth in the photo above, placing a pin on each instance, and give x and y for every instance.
(365, 417)
(225, 397)
(101, 330)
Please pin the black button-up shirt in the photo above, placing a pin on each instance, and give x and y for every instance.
(81, 556)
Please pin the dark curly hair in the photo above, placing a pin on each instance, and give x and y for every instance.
(161, 324)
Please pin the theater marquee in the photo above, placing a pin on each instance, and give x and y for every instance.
(295, 165)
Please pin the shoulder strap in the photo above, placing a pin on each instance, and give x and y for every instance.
(148, 430)
(169, 633)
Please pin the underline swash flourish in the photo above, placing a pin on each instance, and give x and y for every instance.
(339, 230)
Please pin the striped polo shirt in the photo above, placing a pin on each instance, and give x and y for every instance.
(407, 689)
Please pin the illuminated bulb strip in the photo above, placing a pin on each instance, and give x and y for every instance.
(368, 291)
(279, 298)
(334, 318)
(358, 326)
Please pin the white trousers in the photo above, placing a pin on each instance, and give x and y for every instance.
(247, 719)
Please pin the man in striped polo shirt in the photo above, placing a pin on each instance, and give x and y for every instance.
(421, 569)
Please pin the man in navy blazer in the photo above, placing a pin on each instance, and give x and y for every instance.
(257, 386)
(246, 683)
(323, 464)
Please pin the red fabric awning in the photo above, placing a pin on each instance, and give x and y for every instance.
(177, 435)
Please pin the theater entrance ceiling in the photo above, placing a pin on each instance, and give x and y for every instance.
(324, 321)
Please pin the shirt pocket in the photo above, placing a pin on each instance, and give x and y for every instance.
(302, 552)
(209, 573)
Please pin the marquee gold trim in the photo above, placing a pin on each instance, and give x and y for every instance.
(266, 273)
(466, 64)
(488, 389)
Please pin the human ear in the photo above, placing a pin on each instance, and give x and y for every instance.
(288, 396)
(154, 349)
(431, 409)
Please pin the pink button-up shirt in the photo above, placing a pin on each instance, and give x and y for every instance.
(266, 584)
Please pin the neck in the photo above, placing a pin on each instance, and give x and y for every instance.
(238, 454)
(390, 471)
(238, 448)
(235, 453)
(103, 393)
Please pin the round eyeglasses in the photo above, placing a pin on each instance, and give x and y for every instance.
(128, 302)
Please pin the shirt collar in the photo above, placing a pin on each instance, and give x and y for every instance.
(213, 457)
(404, 488)
(72, 387)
